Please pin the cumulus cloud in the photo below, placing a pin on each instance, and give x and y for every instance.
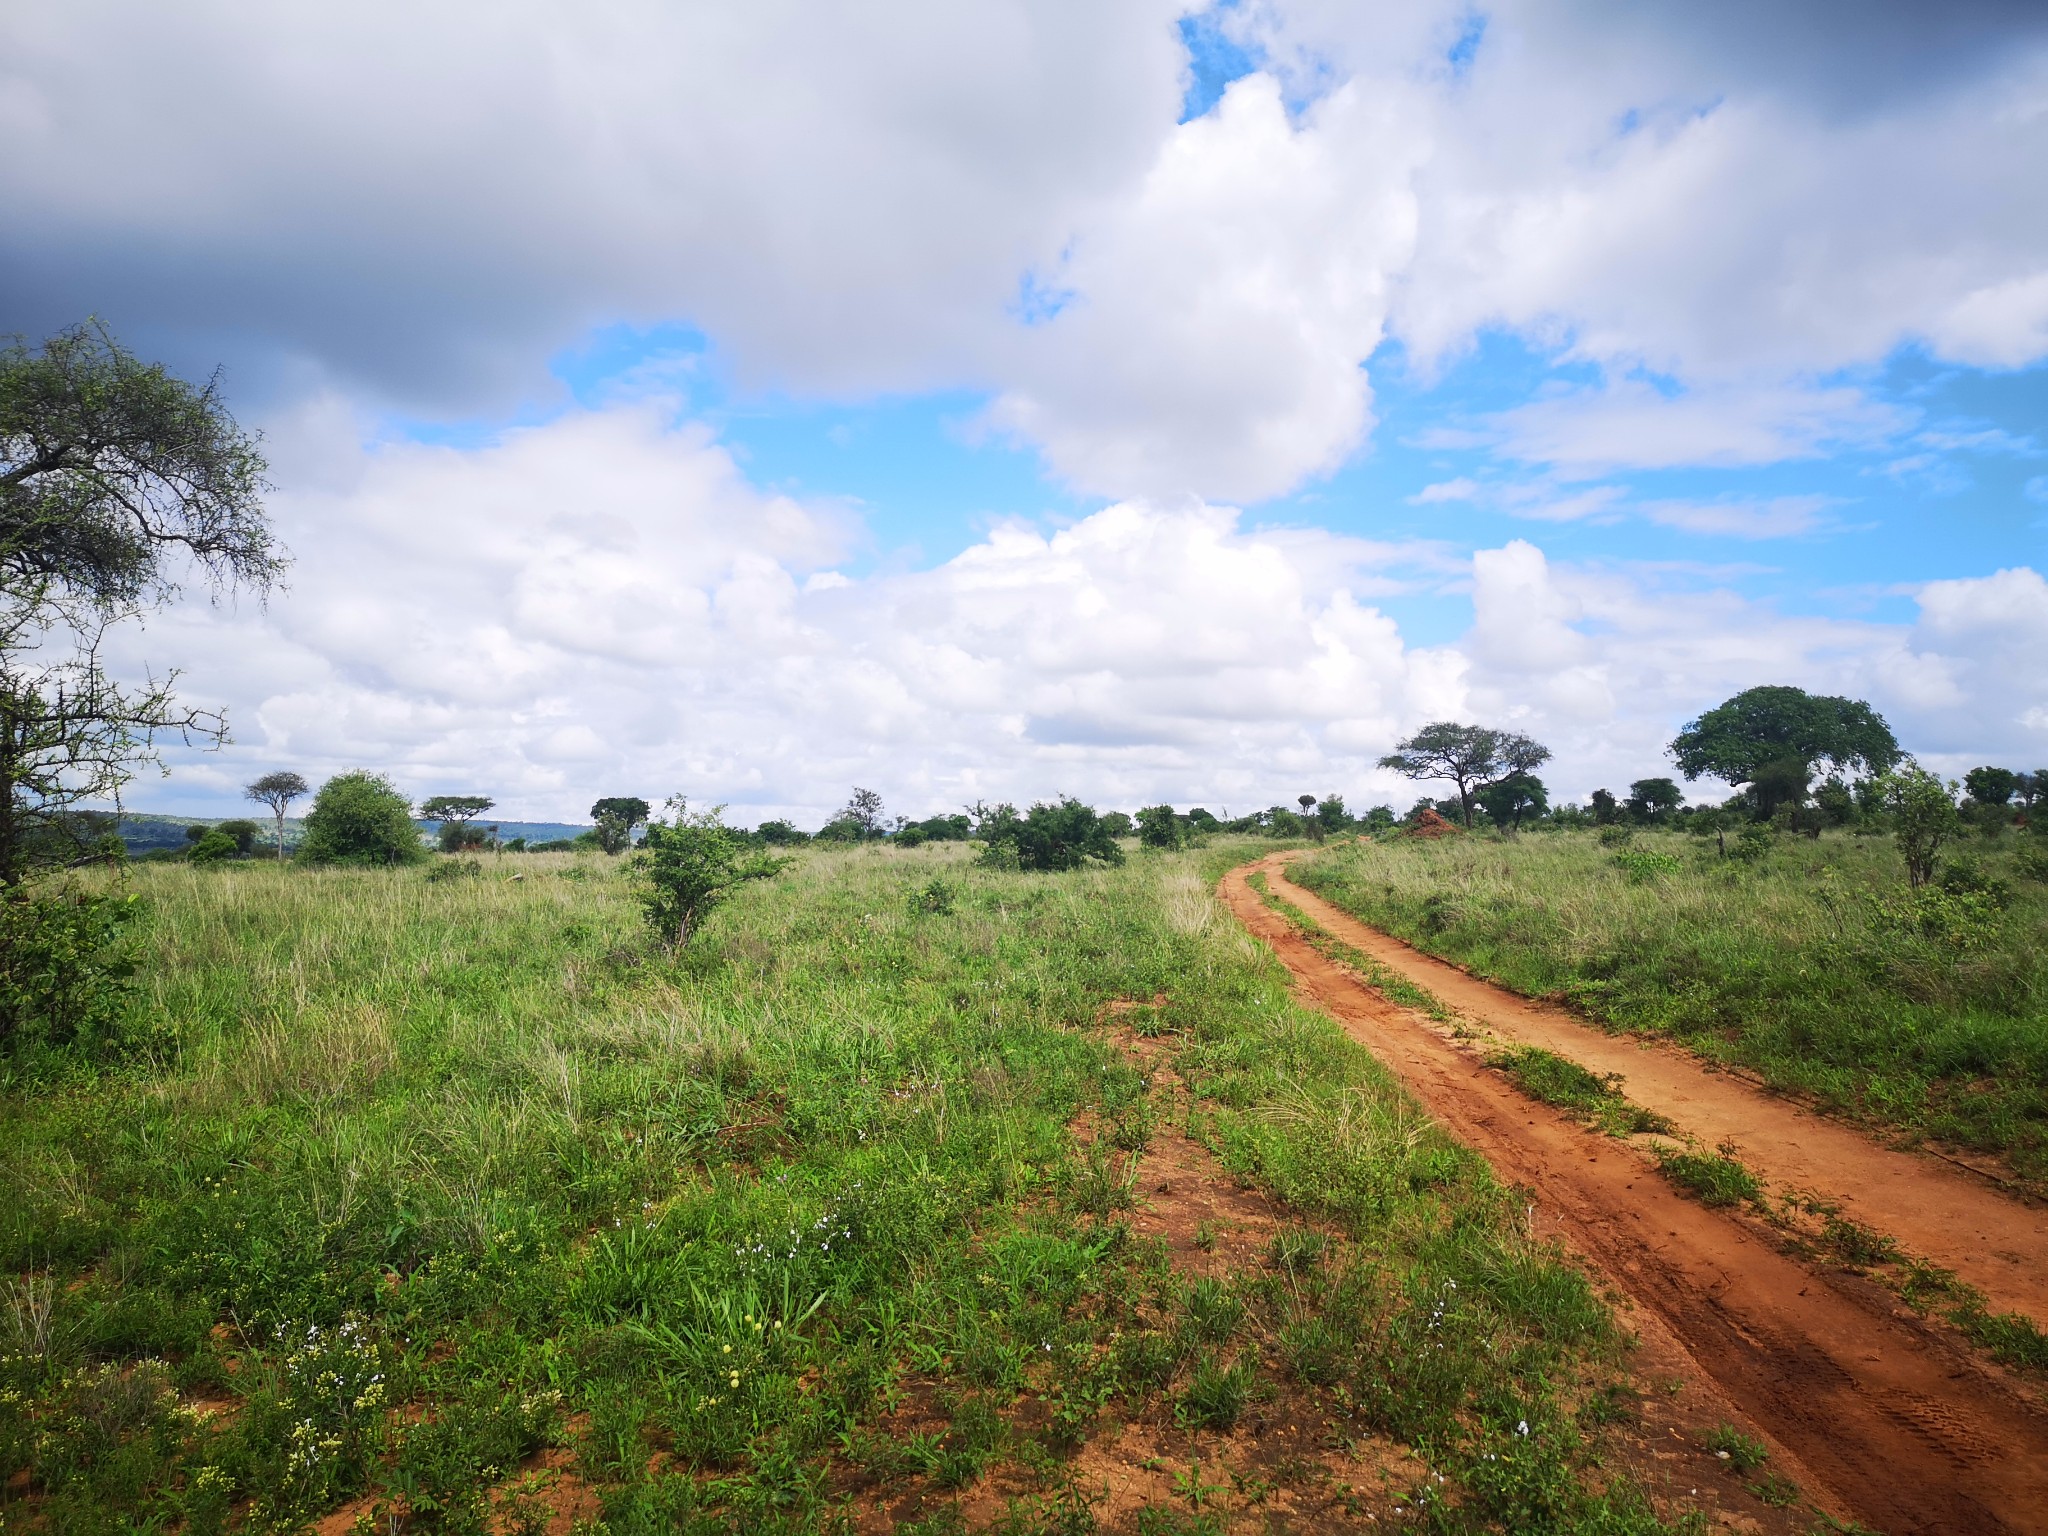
(1218, 323)
(605, 604)
(420, 201)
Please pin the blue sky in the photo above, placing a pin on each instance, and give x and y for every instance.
(1164, 401)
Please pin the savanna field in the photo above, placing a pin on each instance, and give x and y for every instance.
(455, 1204)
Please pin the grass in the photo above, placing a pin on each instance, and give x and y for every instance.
(425, 1177)
(1713, 1179)
(1550, 1078)
(1811, 965)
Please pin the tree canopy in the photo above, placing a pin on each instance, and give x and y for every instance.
(455, 807)
(1515, 799)
(1992, 786)
(110, 466)
(277, 790)
(359, 818)
(1469, 756)
(616, 817)
(1062, 835)
(115, 477)
(1654, 799)
(1777, 727)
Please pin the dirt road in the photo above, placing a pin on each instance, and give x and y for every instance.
(1898, 1425)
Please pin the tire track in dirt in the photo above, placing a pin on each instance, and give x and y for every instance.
(1897, 1425)
(1937, 1212)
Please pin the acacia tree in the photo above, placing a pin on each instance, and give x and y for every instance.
(115, 479)
(277, 790)
(1769, 740)
(455, 813)
(1469, 756)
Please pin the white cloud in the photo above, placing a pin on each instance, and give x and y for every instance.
(421, 201)
(1220, 318)
(426, 198)
(605, 604)
(1776, 517)
(1628, 424)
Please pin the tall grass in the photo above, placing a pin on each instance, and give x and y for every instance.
(430, 1173)
(1813, 965)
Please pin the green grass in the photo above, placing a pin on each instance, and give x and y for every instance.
(423, 1176)
(1813, 965)
(1546, 1076)
(1710, 1178)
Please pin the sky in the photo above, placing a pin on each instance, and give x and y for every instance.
(995, 400)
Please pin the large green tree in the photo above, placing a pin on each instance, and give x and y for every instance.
(1515, 799)
(117, 481)
(1771, 739)
(1469, 756)
(616, 817)
(360, 818)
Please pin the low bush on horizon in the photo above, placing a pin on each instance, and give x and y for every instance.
(1812, 962)
(425, 1176)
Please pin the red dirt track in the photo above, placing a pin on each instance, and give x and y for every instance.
(1875, 1414)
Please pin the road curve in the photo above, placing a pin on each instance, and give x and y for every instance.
(1939, 1213)
(1903, 1429)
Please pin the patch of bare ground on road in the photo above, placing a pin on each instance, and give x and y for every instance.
(1874, 1413)
(1291, 1463)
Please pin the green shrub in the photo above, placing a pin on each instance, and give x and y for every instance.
(934, 896)
(360, 818)
(244, 833)
(67, 971)
(1158, 827)
(216, 847)
(1642, 865)
(1052, 837)
(1753, 843)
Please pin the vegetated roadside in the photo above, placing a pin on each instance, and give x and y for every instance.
(1923, 1012)
(448, 1203)
(1901, 1423)
(1944, 1240)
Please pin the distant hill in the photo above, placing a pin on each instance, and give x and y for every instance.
(144, 832)
(532, 831)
